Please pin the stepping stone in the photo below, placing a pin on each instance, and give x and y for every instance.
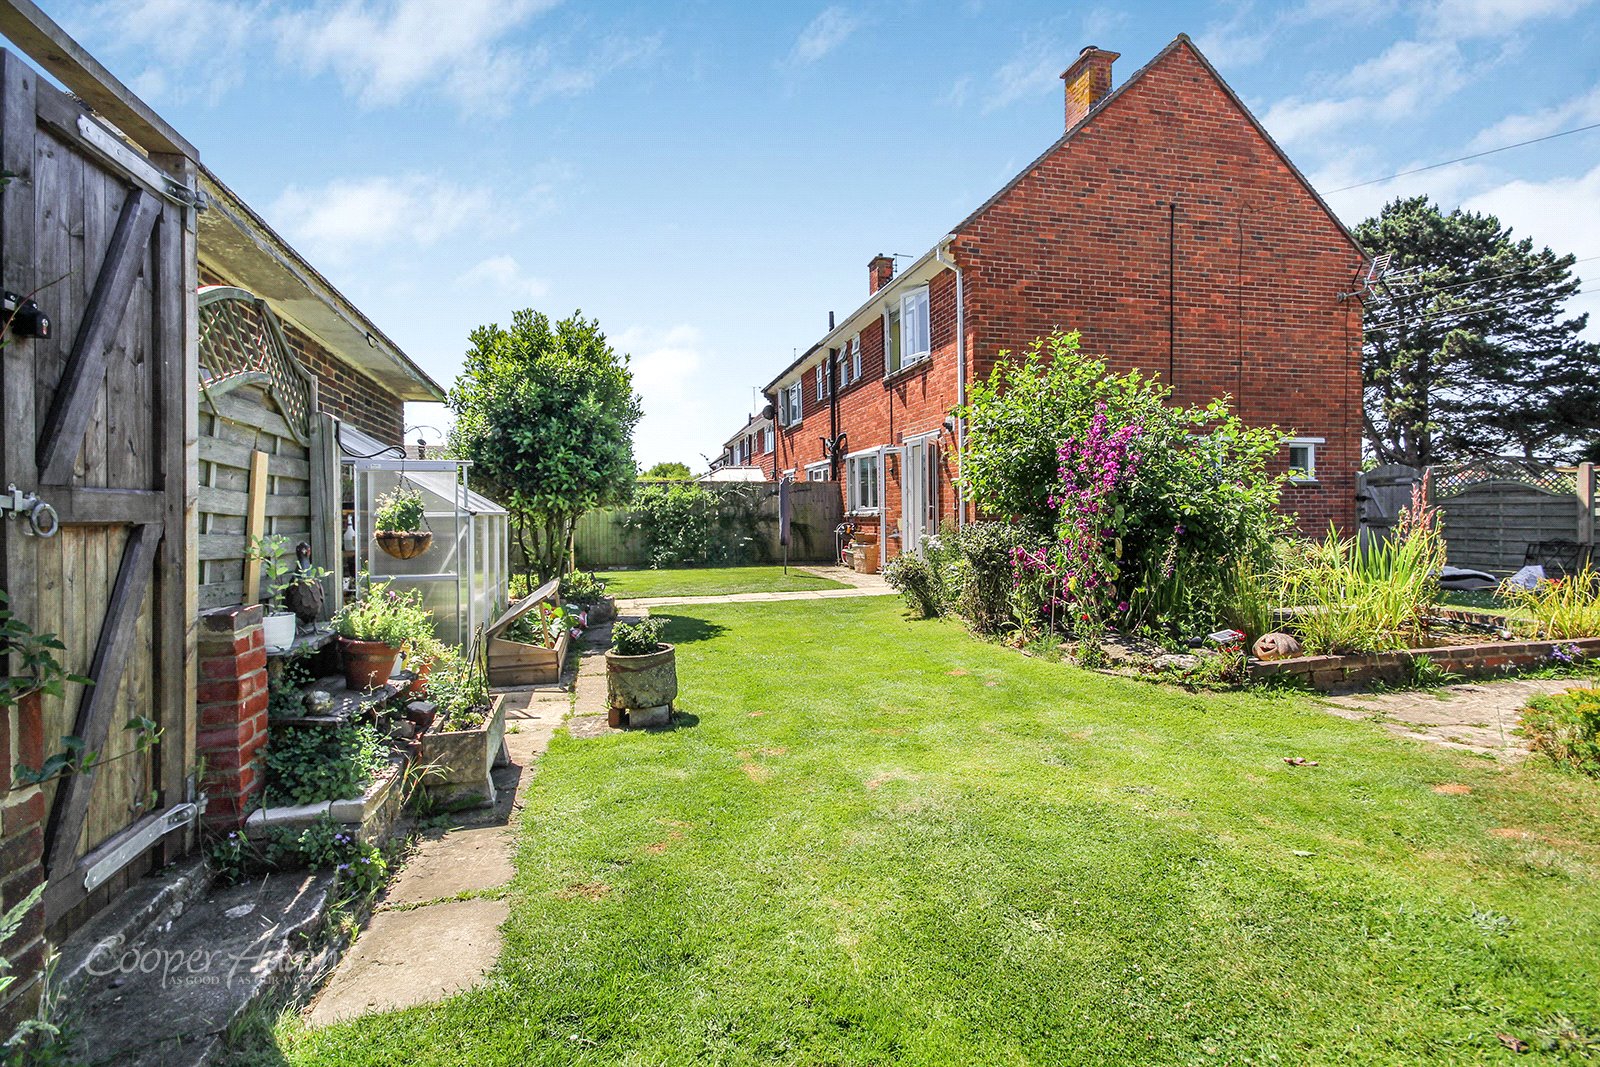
(413, 957)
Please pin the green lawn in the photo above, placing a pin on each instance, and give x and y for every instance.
(713, 581)
(877, 841)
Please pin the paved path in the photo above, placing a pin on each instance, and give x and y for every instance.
(858, 585)
(1479, 717)
(437, 929)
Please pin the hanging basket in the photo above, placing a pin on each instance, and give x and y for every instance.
(405, 544)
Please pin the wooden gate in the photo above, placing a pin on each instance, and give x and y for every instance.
(1381, 494)
(96, 420)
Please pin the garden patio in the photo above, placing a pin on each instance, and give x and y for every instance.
(874, 839)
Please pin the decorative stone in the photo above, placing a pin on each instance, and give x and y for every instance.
(1179, 661)
(1277, 645)
(318, 702)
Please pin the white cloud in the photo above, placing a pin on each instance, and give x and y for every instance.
(830, 29)
(194, 48)
(1036, 67)
(668, 373)
(1578, 111)
(382, 50)
(354, 215)
(1495, 18)
(503, 275)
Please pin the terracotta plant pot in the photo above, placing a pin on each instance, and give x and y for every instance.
(367, 664)
(404, 544)
(420, 682)
(643, 686)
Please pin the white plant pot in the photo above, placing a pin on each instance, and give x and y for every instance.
(278, 629)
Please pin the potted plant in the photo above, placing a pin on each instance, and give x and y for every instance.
(277, 624)
(641, 674)
(375, 628)
(421, 654)
(401, 526)
(468, 735)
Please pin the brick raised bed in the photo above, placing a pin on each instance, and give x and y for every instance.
(1482, 660)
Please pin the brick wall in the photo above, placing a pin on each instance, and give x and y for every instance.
(232, 705)
(22, 815)
(342, 390)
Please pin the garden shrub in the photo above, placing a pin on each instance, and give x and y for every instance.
(310, 764)
(1562, 608)
(674, 520)
(982, 587)
(918, 581)
(1566, 727)
(459, 692)
(584, 588)
(1141, 514)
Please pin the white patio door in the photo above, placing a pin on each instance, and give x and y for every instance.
(919, 494)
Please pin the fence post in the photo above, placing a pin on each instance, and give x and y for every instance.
(1586, 515)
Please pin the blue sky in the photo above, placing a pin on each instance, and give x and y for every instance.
(709, 179)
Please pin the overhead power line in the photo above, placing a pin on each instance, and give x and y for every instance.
(1434, 290)
(1448, 317)
(1463, 159)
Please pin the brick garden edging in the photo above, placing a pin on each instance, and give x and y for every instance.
(1482, 660)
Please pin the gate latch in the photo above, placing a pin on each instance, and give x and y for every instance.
(42, 518)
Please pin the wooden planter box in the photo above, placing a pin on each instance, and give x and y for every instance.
(457, 763)
(516, 663)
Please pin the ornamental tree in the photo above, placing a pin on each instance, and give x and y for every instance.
(546, 412)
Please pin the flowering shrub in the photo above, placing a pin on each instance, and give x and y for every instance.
(1145, 515)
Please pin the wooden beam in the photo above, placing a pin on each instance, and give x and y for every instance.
(255, 524)
(62, 436)
(93, 723)
(83, 505)
(47, 44)
(18, 357)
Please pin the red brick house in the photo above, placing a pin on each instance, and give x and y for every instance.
(1169, 228)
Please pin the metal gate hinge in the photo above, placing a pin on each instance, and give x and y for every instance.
(194, 198)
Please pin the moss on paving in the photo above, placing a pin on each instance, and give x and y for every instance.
(713, 581)
(878, 841)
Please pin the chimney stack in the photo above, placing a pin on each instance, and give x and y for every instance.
(1088, 81)
(881, 270)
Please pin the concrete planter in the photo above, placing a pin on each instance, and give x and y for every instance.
(602, 611)
(369, 817)
(457, 762)
(643, 687)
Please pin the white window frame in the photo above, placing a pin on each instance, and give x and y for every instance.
(770, 440)
(817, 472)
(822, 380)
(855, 357)
(1308, 474)
(842, 364)
(852, 464)
(790, 405)
(918, 301)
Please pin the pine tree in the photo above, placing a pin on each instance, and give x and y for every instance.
(1469, 351)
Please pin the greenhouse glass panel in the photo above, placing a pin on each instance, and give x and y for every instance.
(462, 572)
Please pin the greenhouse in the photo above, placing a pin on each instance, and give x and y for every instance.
(462, 570)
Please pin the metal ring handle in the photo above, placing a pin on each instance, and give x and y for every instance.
(43, 520)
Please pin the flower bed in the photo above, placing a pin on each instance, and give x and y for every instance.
(1480, 660)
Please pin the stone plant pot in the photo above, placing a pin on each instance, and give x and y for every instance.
(602, 611)
(367, 664)
(643, 687)
(457, 763)
(404, 544)
(277, 629)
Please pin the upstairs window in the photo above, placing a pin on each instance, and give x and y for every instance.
(822, 379)
(855, 357)
(769, 435)
(907, 331)
(789, 409)
(844, 367)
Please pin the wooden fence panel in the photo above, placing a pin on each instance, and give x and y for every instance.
(1490, 526)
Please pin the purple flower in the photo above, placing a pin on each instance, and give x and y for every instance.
(1122, 606)
(1178, 529)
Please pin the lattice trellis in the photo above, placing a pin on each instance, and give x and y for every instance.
(1456, 478)
(239, 334)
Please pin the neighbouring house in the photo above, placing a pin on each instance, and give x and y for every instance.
(1168, 227)
(752, 446)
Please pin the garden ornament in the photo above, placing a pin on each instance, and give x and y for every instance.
(1275, 646)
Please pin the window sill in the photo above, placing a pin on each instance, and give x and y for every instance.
(908, 370)
(866, 513)
(1310, 482)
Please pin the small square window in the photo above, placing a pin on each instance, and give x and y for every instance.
(1303, 459)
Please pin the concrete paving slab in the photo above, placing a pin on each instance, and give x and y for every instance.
(449, 863)
(413, 957)
(1479, 717)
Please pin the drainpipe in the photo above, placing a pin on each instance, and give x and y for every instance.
(961, 369)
